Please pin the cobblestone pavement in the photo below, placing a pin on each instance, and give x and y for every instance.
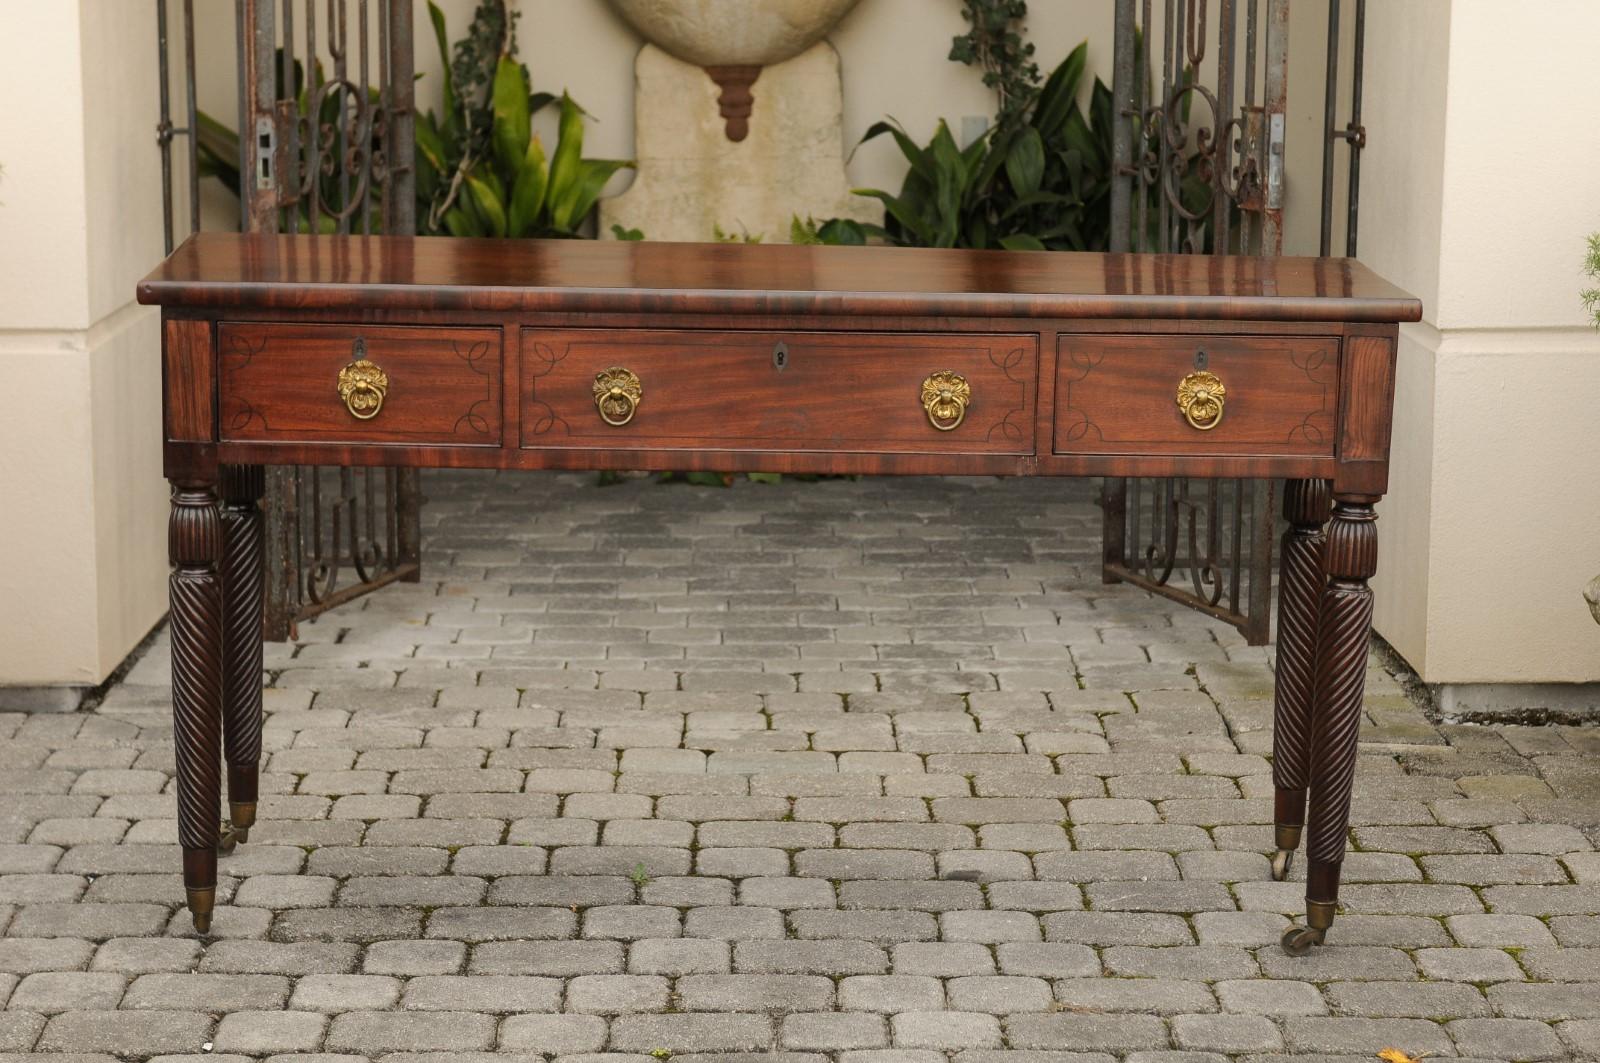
(872, 771)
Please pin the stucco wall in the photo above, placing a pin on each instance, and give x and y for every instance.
(82, 551)
(1479, 200)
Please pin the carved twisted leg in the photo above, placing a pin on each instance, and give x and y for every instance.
(1305, 507)
(194, 543)
(242, 600)
(1344, 625)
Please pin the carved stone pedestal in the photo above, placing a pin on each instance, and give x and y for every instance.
(693, 178)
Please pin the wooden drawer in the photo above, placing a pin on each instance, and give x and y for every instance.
(285, 382)
(838, 391)
(1120, 394)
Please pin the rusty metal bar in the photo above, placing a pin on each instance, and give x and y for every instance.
(1330, 105)
(400, 203)
(1273, 100)
(1356, 133)
(1222, 208)
(1122, 130)
(164, 130)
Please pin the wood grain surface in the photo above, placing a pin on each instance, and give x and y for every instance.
(280, 382)
(446, 273)
(835, 391)
(1118, 394)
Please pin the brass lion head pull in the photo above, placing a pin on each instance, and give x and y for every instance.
(1201, 396)
(945, 398)
(362, 386)
(617, 394)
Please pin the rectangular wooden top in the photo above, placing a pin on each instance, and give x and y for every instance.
(256, 271)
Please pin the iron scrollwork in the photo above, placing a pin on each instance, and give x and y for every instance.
(340, 161)
(1189, 179)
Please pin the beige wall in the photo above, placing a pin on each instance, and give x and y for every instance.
(1479, 200)
(82, 556)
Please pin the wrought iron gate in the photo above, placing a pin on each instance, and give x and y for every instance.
(321, 149)
(1196, 175)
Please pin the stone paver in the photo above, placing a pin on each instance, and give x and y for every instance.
(850, 771)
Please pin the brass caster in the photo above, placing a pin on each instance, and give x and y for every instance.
(1297, 940)
(242, 814)
(201, 904)
(1282, 861)
(229, 836)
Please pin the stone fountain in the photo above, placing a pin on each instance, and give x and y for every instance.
(737, 119)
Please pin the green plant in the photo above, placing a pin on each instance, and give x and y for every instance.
(480, 169)
(743, 236)
(626, 234)
(1591, 269)
(994, 43)
(832, 231)
(1040, 181)
(640, 875)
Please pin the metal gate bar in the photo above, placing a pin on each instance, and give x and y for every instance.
(1228, 551)
(332, 534)
(1206, 544)
(1354, 133)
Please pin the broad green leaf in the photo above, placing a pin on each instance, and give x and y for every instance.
(1025, 162)
(510, 104)
(452, 120)
(218, 151)
(567, 213)
(1102, 114)
(1022, 242)
(432, 165)
(1060, 90)
(908, 147)
(842, 231)
(950, 185)
(908, 219)
(978, 233)
(564, 169)
(459, 223)
(490, 206)
(527, 191)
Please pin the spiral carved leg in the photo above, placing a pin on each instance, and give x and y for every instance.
(194, 542)
(1344, 626)
(1300, 582)
(242, 602)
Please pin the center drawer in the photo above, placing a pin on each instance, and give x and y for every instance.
(863, 392)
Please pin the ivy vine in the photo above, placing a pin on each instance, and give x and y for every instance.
(994, 43)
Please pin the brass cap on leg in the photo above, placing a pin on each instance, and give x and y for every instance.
(1284, 835)
(202, 903)
(1319, 914)
(242, 814)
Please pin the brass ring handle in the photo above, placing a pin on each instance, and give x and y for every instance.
(1201, 396)
(362, 386)
(617, 394)
(945, 398)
